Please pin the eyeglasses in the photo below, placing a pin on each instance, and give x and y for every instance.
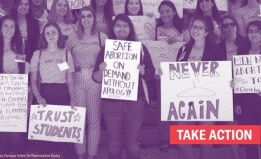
(232, 24)
(198, 28)
(88, 16)
(205, 1)
(254, 31)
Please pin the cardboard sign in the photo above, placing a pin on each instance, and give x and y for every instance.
(120, 78)
(73, 4)
(247, 71)
(144, 27)
(161, 51)
(57, 123)
(13, 102)
(196, 91)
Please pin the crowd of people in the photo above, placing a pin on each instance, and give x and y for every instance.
(77, 37)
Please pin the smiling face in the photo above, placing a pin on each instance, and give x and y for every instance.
(166, 14)
(121, 30)
(134, 7)
(23, 7)
(100, 2)
(8, 29)
(61, 7)
(254, 34)
(206, 5)
(87, 19)
(229, 28)
(198, 30)
(51, 35)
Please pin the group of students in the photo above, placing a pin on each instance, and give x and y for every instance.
(77, 38)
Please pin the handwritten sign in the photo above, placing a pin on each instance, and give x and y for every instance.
(118, 6)
(144, 27)
(150, 6)
(196, 91)
(120, 78)
(13, 102)
(161, 51)
(221, 5)
(247, 71)
(73, 4)
(57, 123)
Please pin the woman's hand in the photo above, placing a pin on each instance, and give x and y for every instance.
(41, 101)
(232, 84)
(238, 109)
(102, 66)
(141, 69)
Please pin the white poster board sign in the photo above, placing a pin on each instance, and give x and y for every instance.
(118, 6)
(161, 51)
(120, 78)
(73, 4)
(196, 91)
(57, 123)
(247, 71)
(144, 27)
(13, 102)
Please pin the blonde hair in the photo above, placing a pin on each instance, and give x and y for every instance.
(52, 17)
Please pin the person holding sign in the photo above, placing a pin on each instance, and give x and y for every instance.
(61, 14)
(54, 66)
(209, 8)
(10, 47)
(170, 26)
(85, 46)
(103, 12)
(249, 106)
(200, 48)
(123, 118)
(28, 26)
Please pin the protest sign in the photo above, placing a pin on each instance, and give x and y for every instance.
(118, 6)
(196, 91)
(221, 5)
(120, 78)
(247, 71)
(57, 123)
(13, 102)
(151, 7)
(161, 51)
(73, 4)
(144, 27)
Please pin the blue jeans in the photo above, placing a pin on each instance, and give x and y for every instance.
(123, 120)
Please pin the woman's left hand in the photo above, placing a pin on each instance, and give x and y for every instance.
(141, 69)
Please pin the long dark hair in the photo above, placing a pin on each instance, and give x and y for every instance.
(16, 44)
(177, 22)
(239, 38)
(29, 15)
(125, 18)
(108, 11)
(43, 44)
(215, 13)
(246, 47)
(126, 8)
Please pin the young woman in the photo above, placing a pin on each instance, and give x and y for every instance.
(85, 46)
(246, 14)
(249, 106)
(209, 8)
(170, 26)
(104, 12)
(230, 47)
(39, 12)
(10, 47)
(28, 26)
(200, 48)
(61, 14)
(56, 86)
(124, 119)
(133, 8)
